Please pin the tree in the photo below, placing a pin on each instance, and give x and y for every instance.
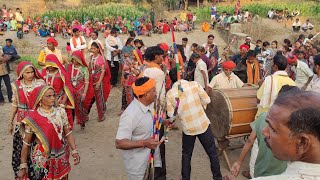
(186, 2)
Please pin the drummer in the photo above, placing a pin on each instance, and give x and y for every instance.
(226, 79)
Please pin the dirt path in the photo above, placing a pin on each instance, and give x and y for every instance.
(100, 159)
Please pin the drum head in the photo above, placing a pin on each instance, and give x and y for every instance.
(218, 113)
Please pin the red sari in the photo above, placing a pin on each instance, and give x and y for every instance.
(50, 156)
(61, 83)
(21, 100)
(102, 93)
(79, 76)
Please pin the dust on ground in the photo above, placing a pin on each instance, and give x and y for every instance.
(100, 159)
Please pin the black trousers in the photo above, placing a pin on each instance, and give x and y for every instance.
(207, 141)
(6, 79)
(114, 72)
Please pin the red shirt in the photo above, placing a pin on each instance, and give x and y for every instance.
(189, 16)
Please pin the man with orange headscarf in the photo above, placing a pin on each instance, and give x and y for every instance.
(135, 130)
(226, 79)
(51, 49)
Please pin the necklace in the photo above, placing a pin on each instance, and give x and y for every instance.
(52, 77)
(27, 89)
(74, 79)
(54, 118)
(93, 63)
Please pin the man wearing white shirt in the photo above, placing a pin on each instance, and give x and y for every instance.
(293, 134)
(208, 43)
(307, 26)
(302, 72)
(201, 71)
(186, 48)
(94, 38)
(315, 83)
(115, 68)
(77, 42)
(296, 25)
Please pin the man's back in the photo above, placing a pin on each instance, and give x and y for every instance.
(191, 111)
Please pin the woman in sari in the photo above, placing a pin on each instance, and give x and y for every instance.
(56, 76)
(100, 75)
(28, 79)
(47, 138)
(78, 72)
(130, 73)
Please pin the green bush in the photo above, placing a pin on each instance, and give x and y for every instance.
(31, 59)
(101, 11)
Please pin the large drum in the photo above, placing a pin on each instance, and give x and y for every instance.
(231, 111)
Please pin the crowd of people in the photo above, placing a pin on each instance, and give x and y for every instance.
(11, 20)
(224, 20)
(164, 82)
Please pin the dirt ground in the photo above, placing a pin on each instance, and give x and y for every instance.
(100, 159)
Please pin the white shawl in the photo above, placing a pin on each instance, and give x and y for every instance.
(270, 92)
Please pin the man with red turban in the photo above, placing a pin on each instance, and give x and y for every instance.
(51, 49)
(226, 79)
(302, 72)
(241, 56)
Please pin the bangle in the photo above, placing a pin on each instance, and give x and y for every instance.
(68, 133)
(26, 143)
(23, 166)
(75, 151)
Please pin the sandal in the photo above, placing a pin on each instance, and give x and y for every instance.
(246, 174)
(83, 125)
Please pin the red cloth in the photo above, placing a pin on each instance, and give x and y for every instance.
(189, 16)
(58, 160)
(244, 46)
(164, 46)
(165, 29)
(292, 59)
(53, 41)
(22, 66)
(90, 93)
(61, 82)
(228, 65)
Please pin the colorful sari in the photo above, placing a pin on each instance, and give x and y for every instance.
(79, 77)
(102, 93)
(49, 155)
(128, 79)
(21, 96)
(61, 83)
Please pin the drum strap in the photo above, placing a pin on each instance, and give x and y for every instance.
(271, 90)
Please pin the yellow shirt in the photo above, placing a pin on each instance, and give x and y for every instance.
(183, 16)
(280, 80)
(46, 51)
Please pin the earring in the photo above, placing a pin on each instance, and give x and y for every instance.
(40, 104)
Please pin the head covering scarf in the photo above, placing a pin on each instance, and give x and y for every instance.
(78, 56)
(228, 65)
(52, 61)
(292, 59)
(53, 41)
(23, 66)
(107, 74)
(36, 96)
(144, 88)
(164, 46)
(244, 46)
(138, 56)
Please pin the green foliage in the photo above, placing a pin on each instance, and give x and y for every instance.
(102, 11)
(31, 59)
(306, 9)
